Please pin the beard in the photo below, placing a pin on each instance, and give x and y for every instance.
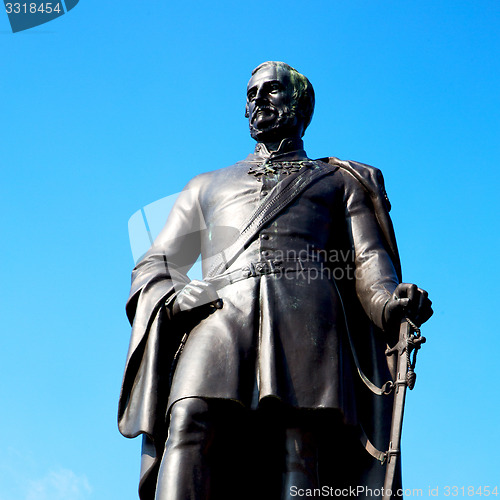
(272, 129)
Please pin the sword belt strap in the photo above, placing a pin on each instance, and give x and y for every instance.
(262, 268)
(280, 197)
(381, 456)
(388, 386)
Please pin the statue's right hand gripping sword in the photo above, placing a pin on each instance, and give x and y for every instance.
(410, 341)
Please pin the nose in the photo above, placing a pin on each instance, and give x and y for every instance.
(261, 94)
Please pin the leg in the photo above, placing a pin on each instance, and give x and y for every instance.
(293, 434)
(301, 461)
(184, 472)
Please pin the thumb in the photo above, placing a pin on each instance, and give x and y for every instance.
(397, 304)
(395, 310)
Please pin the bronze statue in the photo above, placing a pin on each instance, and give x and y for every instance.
(254, 383)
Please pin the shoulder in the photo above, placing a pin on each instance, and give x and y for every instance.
(205, 179)
(207, 187)
(359, 175)
(356, 169)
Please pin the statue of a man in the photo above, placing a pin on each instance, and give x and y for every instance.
(246, 384)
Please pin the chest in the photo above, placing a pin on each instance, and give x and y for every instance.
(231, 199)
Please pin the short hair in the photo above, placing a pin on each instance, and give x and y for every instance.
(303, 93)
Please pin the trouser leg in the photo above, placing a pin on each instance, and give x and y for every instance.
(184, 473)
(301, 462)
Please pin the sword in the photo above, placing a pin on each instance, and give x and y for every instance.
(410, 340)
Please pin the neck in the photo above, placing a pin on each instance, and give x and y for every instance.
(286, 143)
(272, 146)
(285, 150)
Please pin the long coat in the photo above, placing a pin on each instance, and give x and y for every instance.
(278, 334)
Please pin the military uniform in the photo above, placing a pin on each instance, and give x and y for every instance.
(287, 297)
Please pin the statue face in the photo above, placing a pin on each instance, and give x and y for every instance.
(271, 106)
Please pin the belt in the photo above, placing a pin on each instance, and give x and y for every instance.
(262, 268)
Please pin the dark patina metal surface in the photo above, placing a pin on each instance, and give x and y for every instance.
(299, 272)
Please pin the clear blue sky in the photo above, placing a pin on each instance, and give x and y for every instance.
(113, 105)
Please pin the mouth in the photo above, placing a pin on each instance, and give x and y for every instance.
(263, 111)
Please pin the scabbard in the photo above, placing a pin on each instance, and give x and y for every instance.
(393, 453)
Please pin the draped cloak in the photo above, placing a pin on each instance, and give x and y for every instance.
(276, 335)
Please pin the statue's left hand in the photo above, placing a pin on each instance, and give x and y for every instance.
(407, 301)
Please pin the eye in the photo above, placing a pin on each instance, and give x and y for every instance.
(251, 94)
(275, 87)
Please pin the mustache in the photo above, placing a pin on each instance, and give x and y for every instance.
(263, 107)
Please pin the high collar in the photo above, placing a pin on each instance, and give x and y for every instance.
(289, 150)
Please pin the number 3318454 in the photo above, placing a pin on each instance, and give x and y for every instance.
(33, 8)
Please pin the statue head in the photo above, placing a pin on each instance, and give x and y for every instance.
(280, 102)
